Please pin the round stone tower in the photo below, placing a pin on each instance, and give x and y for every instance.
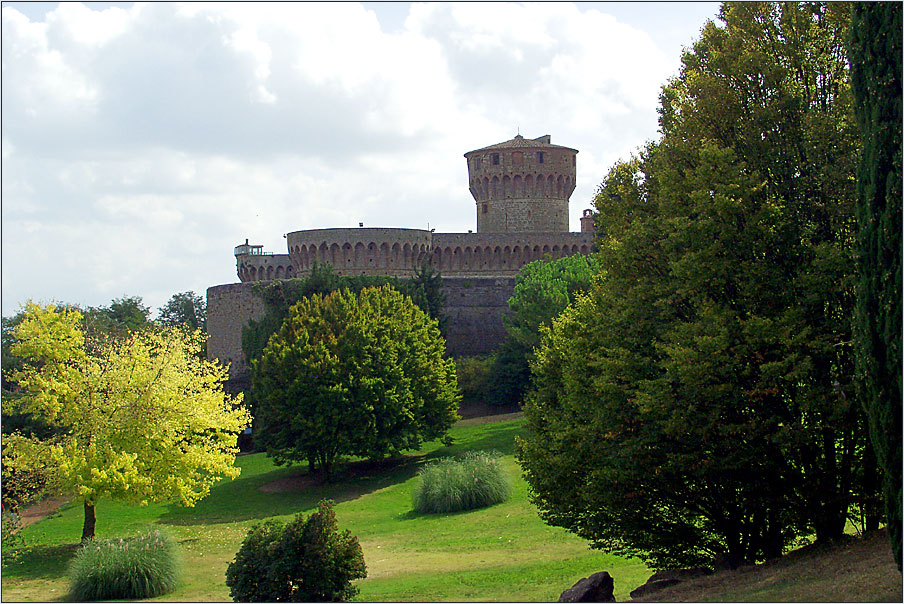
(522, 185)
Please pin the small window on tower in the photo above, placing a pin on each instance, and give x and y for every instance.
(477, 161)
(539, 157)
(495, 159)
(484, 208)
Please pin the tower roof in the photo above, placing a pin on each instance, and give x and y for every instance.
(521, 142)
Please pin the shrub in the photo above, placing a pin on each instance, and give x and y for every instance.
(473, 376)
(451, 485)
(139, 567)
(307, 560)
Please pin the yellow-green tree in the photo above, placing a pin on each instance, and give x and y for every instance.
(142, 417)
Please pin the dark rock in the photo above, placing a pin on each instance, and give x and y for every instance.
(652, 586)
(666, 578)
(681, 573)
(595, 588)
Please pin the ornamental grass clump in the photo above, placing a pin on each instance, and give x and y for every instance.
(451, 485)
(138, 567)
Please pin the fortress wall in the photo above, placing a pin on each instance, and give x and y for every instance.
(473, 311)
(362, 251)
(501, 254)
(264, 267)
(229, 308)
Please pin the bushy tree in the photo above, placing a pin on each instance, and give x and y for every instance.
(306, 560)
(699, 402)
(123, 316)
(543, 289)
(186, 309)
(353, 374)
(875, 56)
(140, 418)
(425, 289)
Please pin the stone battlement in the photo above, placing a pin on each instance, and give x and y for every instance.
(400, 252)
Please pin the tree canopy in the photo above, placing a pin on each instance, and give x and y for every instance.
(185, 309)
(352, 374)
(699, 402)
(543, 289)
(141, 418)
(425, 289)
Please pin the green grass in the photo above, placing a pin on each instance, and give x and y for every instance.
(501, 553)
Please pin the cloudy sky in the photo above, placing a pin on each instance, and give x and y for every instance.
(142, 142)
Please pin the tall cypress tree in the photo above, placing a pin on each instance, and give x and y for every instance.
(875, 58)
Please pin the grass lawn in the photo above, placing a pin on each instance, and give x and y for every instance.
(501, 553)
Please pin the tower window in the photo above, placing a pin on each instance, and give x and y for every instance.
(495, 159)
(539, 157)
(477, 161)
(484, 208)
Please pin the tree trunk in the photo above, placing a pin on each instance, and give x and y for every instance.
(872, 505)
(88, 527)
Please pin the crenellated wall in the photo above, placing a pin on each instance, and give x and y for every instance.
(264, 267)
(501, 254)
(361, 251)
(399, 252)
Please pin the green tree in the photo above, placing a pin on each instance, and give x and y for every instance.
(123, 316)
(353, 374)
(699, 401)
(875, 57)
(141, 418)
(425, 289)
(186, 309)
(543, 289)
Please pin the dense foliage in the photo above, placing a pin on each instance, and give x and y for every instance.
(477, 480)
(474, 374)
(875, 57)
(139, 567)
(353, 374)
(699, 402)
(306, 560)
(138, 418)
(543, 289)
(185, 309)
(425, 289)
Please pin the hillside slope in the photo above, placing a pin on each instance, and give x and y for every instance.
(857, 570)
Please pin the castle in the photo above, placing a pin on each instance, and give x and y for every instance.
(521, 188)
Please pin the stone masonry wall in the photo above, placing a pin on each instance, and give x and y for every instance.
(474, 309)
(229, 308)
